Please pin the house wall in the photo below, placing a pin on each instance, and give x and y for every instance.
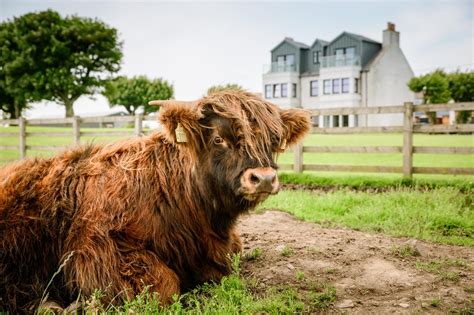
(284, 77)
(387, 82)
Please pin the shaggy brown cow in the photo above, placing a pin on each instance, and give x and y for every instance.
(144, 212)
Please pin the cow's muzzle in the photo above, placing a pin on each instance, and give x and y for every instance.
(259, 181)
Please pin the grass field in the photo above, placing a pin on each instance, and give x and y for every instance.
(382, 159)
(443, 215)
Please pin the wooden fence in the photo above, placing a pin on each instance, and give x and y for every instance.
(407, 150)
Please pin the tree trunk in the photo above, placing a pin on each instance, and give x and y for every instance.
(17, 112)
(69, 107)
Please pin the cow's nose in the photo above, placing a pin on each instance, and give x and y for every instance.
(261, 180)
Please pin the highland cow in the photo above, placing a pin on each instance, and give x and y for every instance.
(157, 211)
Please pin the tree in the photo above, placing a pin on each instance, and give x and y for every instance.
(461, 86)
(47, 57)
(134, 92)
(435, 88)
(229, 86)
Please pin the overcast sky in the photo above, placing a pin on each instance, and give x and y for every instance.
(195, 45)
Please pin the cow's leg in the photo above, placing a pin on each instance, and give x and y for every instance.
(143, 270)
(219, 258)
(235, 242)
(119, 275)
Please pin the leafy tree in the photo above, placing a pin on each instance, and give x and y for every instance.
(134, 92)
(435, 88)
(47, 57)
(10, 107)
(461, 86)
(229, 86)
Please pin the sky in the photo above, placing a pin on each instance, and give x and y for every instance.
(195, 45)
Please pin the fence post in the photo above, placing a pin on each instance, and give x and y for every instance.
(76, 129)
(22, 125)
(138, 124)
(298, 157)
(408, 141)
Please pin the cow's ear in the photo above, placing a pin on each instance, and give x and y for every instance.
(180, 120)
(297, 123)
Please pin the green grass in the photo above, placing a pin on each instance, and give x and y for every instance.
(442, 215)
(360, 181)
(384, 159)
(441, 268)
(233, 295)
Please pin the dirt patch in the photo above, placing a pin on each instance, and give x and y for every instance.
(372, 273)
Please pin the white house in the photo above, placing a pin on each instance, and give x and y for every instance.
(349, 71)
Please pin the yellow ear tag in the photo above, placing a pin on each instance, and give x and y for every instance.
(180, 135)
(283, 145)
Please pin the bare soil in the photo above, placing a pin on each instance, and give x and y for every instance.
(372, 273)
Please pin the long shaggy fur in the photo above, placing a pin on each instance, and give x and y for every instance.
(131, 214)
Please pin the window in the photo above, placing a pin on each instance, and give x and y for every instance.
(336, 86)
(316, 56)
(345, 85)
(356, 85)
(335, 120)
(356, 120)
(339, 56)
(285, 62)
(313, 88)
(268, 91)
(284, 90)
(350, 53)
(276, 90)
(281, 60)
(293, 91)
(327, 86)
(290, 60)
(345, 120)
(326, 121)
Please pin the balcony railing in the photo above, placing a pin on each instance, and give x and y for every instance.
(280, 67)
(339, 61)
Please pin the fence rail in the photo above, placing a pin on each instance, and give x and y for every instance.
(407, 129)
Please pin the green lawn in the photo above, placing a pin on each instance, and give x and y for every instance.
(442, 215)
(385, 159)
(382, 159)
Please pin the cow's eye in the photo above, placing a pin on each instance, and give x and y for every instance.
(218, 140)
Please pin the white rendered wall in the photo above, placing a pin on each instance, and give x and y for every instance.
(387, 82)
(283, 77)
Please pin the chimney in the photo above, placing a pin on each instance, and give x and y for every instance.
(289, 38)
(390, 36)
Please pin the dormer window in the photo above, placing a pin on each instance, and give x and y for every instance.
(316, 57)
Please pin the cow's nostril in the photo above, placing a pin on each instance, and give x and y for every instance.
(254, 179)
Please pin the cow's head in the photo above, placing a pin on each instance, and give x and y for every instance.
(233, 138)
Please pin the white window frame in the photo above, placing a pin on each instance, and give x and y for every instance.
(313, 88)
(327, 86)
(284, 91)
(276, 90)
(268, 91)
(336, 86)
(345, 85)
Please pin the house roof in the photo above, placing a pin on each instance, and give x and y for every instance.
(323, 42)
(359, 37)
(292, 42)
